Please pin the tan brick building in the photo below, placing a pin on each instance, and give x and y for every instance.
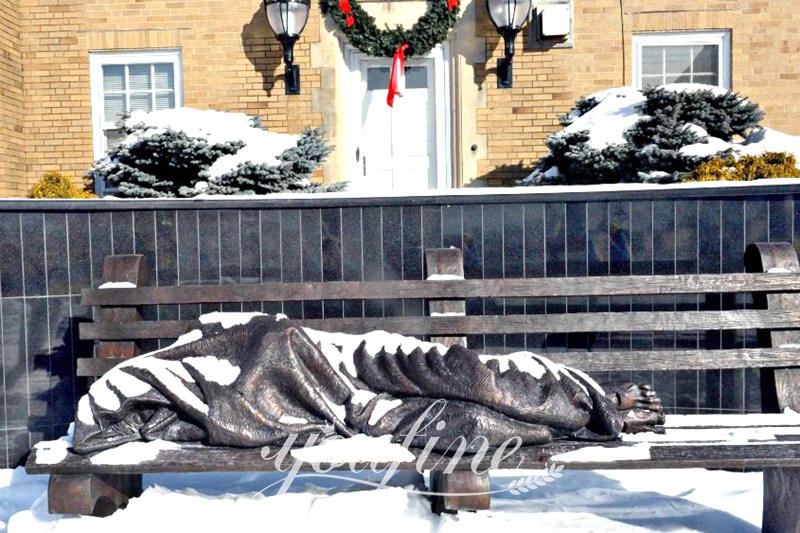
(63, 62)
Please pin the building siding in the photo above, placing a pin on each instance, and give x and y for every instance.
(764, 67)
(12, 167)
(232, 62)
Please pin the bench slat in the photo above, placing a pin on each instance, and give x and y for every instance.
(143, 329)
(480, 325)
(611, 360)
(190, 458)
(678, 359)
(447, 289)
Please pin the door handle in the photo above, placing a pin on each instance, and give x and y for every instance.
(364, 164)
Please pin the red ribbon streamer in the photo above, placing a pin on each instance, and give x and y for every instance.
(397, 77)
(344, 5)
(452, 4)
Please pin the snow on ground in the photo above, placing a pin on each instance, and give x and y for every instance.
(607, 501)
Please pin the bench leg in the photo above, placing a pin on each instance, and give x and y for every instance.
(781, 500)
(91, 494)
(461, 490)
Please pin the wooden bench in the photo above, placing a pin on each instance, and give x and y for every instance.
(769, 290)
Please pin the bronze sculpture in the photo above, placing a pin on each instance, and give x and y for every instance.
(257, 384)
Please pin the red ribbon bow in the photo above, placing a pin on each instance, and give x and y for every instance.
(452, 4)
(344, 5)
(397, 79)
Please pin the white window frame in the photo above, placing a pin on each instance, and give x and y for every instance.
(720, 38)
(129, 57)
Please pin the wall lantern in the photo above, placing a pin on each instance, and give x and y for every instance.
(287, 18)
(508, 16)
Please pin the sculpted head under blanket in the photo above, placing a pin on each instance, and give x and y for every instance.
(255, 384)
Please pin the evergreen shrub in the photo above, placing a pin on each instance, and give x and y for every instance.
(166, 162)
(163, 165)
(721, 114)
(651, 151)
(581, 107)
(296, 165)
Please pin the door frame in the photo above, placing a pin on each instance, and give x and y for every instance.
(353, 99)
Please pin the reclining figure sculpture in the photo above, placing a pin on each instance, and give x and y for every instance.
(256, 384)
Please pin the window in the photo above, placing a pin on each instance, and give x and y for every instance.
(123, 82)
(678, 57)
(415, 78)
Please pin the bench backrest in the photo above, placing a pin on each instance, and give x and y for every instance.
(690, 308)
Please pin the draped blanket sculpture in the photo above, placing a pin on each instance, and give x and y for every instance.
(256, 384)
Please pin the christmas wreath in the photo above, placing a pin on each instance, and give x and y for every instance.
(359, 27)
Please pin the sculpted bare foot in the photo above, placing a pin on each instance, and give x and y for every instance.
(631, 396)
(638, 420)
(639, 407)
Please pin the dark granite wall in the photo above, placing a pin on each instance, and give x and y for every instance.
(49, 250)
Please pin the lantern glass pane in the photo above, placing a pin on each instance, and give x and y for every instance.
(508, 13)
(521, 10)
(498, 12)
(298, 16)
(287, 18)
(274, 18)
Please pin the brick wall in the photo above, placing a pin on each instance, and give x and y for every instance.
(764, 56)
(11, 160)
(231, 61)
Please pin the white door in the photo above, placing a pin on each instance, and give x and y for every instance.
(401, 148)
(398, 144)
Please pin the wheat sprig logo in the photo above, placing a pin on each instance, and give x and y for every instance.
(503, 454)
(526, 484)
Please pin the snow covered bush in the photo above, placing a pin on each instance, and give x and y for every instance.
(657, 135)
(291, 174)
(571, 153)
(581, 107)
(721, 113)
(185, 152)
